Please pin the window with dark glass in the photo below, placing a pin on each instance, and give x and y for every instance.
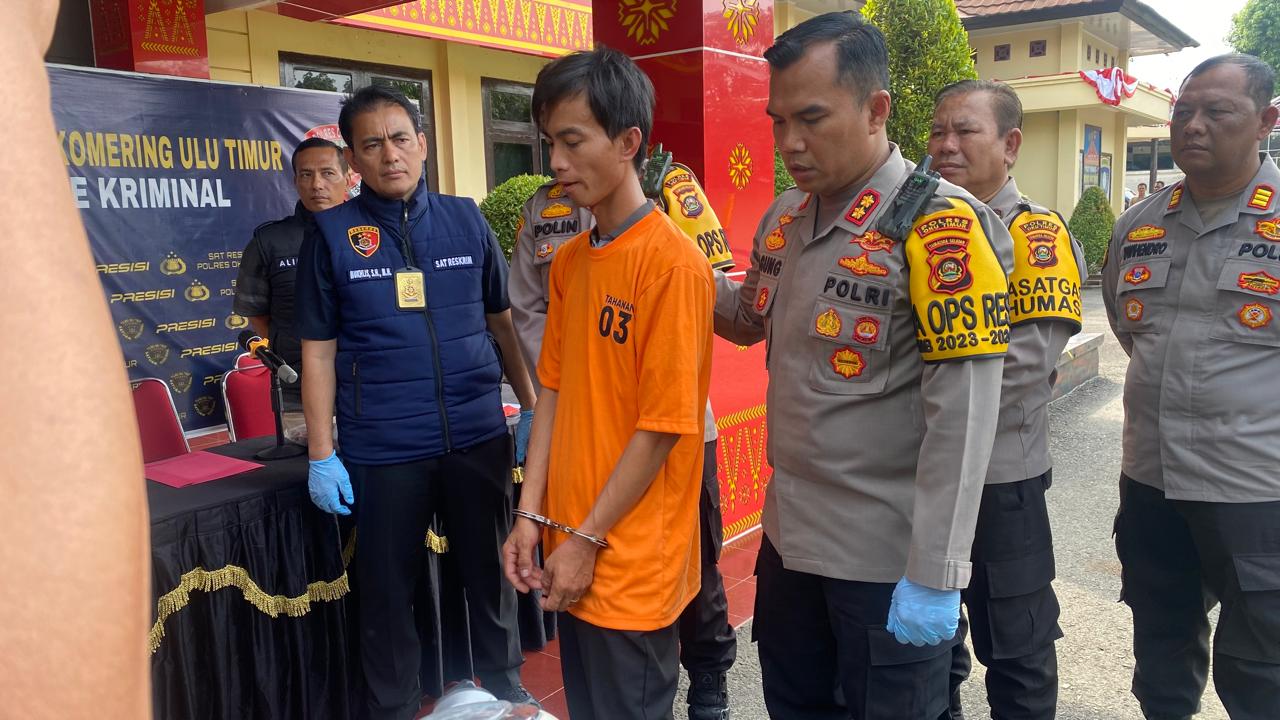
(512, 145)
(332, 75)
(1138, 156)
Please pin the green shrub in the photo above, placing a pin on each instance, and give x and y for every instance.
(782, 180)
(1091, 223)
(928, 48)
(501, 207)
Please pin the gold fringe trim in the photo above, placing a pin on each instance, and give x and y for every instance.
(517, 475)
(231, 575)
(349, 550)
(438, 544)
(740, 417)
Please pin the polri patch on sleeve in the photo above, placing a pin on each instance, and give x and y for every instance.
(959, 292)
(1045, 283)
(688, 207)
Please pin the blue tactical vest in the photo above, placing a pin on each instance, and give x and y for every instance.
(411, 384)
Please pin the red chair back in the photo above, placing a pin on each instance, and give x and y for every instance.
(158, 423)
(246, 394)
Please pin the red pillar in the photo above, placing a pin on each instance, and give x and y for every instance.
(165, 37)
(704, 57)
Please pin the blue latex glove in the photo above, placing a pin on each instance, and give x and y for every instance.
(522, 435)
(920, 615)
(327, 479)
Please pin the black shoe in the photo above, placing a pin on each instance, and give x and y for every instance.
(708, 696)
(517, 695)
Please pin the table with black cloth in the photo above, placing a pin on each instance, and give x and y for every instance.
(252, 601)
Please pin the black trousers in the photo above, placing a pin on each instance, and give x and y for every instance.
(825, 653)
(1179, 559)
(708, 643)
(617, 674)
(1012, 608)
(470, 491)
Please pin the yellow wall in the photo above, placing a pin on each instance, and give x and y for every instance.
(786, 16)
(246, 46)
(1036, 170)
(1099, 46)
(1020, 62)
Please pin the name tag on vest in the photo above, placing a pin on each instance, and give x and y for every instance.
(368, 274)
(456, 261)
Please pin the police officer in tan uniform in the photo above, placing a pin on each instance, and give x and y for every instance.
(884, 356)
(1012, 608)
(708, 644)
(1191, 285)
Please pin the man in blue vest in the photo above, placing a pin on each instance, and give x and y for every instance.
(403, 315)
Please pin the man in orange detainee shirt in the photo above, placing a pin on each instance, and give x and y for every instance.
(615, 456)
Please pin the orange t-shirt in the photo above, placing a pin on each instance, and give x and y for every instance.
(628, 347)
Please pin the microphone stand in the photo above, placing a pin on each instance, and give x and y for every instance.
(282, 449)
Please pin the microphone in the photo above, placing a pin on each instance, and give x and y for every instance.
(257, 347)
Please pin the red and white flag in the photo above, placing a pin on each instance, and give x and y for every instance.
(1112, 84)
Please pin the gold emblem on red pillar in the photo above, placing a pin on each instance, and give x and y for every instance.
(740, 166)
(742, 16)
(645, 20)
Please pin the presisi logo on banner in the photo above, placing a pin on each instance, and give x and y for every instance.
(170, 196)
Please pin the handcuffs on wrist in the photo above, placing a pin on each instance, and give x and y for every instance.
(548, 522)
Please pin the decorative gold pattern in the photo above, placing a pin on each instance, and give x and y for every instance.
(233, 575)
(645, 20)
(740, 166)
(742, 17)
(743, 471)
(543, 27)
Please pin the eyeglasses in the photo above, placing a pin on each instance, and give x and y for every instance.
(548, 522)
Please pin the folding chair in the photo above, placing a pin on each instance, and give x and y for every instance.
(246, 394)
(158, 423)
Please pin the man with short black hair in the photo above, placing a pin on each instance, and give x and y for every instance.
(616, 455)
(549, 220)
(974, 141)
(1190, 286)
(265, 282)
(883, 391)
(403, 315)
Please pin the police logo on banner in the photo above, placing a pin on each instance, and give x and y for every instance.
(180, 381)
(236, 322)
(156, 353)
(198, 292)
(205, 405)
(172, 265)
(130, 328)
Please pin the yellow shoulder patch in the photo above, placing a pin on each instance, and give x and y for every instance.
(959, 292)
(688, 208)
(1045, 283)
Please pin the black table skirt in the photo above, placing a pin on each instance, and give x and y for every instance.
(248, 579)
(253, 603)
